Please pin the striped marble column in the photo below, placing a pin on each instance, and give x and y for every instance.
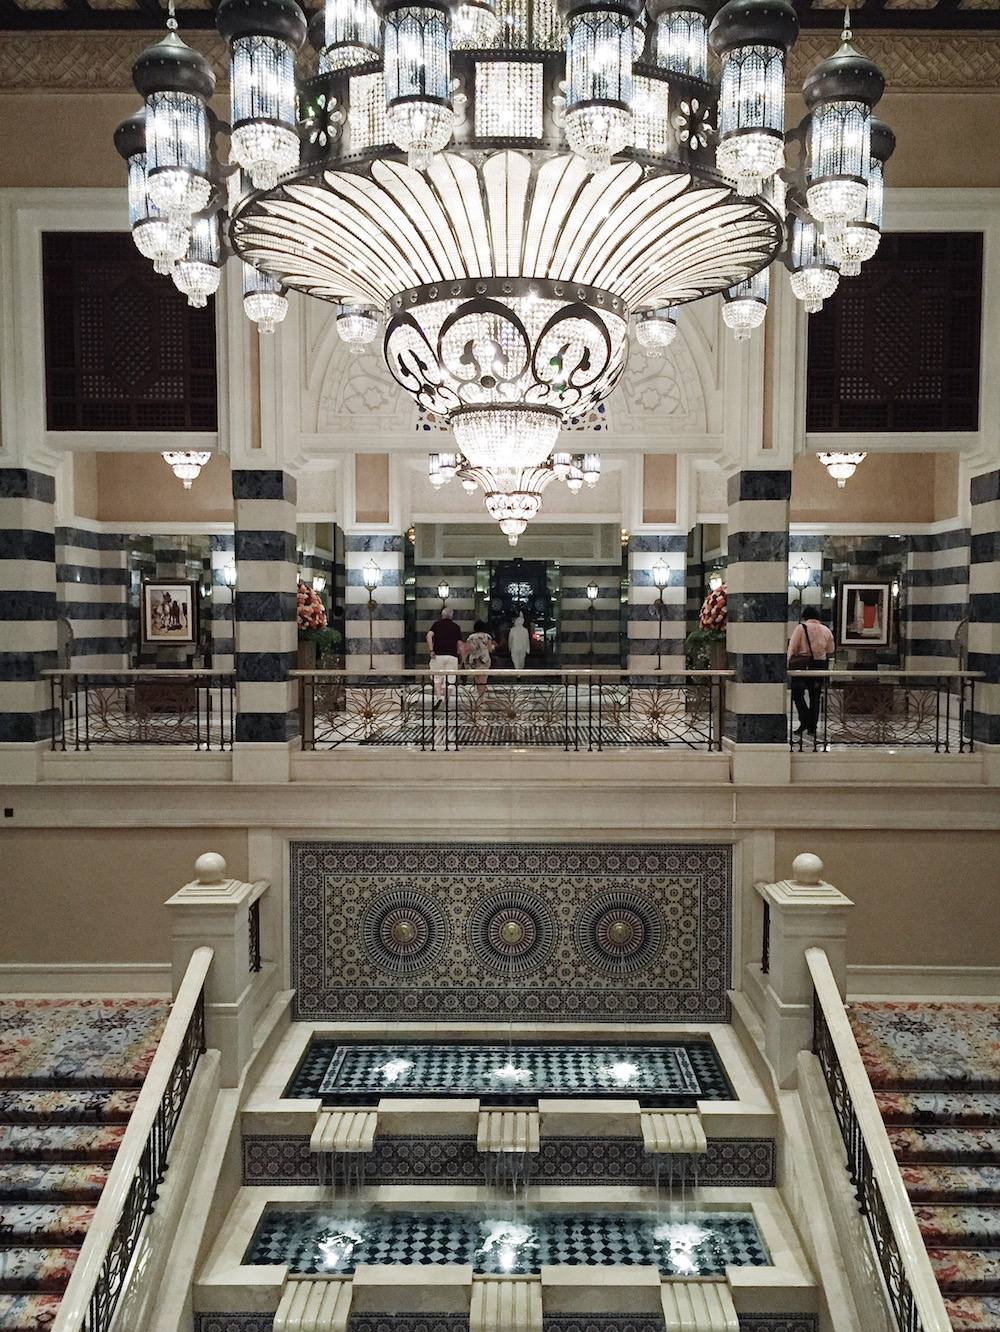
(936, 599)
(984, 605)
(223, 549)
(92, 576)
(575, 621)
(757, 587)
(461, 580)
(387, 617)
(643, 627)
(28, 603)
(264, 607)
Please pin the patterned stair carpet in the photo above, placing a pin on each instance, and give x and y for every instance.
(70, 1070)
(936, 1073)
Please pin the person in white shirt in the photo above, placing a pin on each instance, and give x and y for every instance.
(809, 649)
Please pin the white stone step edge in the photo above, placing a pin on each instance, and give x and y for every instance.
(314, 1304)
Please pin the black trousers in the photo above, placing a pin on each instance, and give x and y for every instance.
(806, 697)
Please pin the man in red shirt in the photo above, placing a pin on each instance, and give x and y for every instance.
(446, 645)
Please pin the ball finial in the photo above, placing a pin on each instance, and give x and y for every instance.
(210, 867)
(807, 868)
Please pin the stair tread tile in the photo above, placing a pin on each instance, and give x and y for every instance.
(947, 1226)
(43, 1269)
(973, 1313)
(951, 1184)
(42, 1223)
(959, 1108)
(966, 1270)
(53, 1142)
(28, 1312)
(957, 1146)
(47, 1180)
(78, 1105)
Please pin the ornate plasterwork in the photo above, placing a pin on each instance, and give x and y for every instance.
(102, 61)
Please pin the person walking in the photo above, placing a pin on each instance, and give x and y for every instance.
(479, 647)
(809, 649)
(446, 646)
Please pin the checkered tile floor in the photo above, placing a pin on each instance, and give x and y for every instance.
(317, 1240)
(675, 1074)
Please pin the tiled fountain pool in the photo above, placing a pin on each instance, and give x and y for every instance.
(675, 1073)
(338, 1239)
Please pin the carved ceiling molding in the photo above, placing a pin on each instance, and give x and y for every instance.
(102, 61)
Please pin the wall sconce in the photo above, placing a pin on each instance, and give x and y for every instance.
(371, 576)
(229, 574)
(661, 577)
(800, 575)
(444, 592)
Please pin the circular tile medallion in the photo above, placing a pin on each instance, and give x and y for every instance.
(512, 933)
(619, 934)
(404, 933)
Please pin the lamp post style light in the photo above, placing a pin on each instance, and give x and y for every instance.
(444, 592)
(592, 594)
(661, 576)
(319, 583)
(800, 575)
(371, 576)
(229, 574)
(715, 580)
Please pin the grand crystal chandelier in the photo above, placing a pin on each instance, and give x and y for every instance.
(506, 187)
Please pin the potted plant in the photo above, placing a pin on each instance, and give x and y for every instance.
(706, 646)
(311, 617)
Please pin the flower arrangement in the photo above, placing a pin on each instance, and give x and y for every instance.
(706, 645)
(714, 609)
(309, 608)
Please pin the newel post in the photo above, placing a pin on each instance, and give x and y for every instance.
(805, 912)
(214, 910)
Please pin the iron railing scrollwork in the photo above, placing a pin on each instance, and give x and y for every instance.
(253, 927)
(193, 709)
(883, 709)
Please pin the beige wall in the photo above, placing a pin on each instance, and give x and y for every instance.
(85, 503)
(921, 898)
(886, 488)
(141, 488)
(659, 487)
(371, 475)
(96, 895)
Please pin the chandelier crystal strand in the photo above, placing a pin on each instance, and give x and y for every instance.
(264, 300)
(745, 305)
(156, 236)
(681, 40)
(417, 78)
(197, 275)
(474, 25)
(350, 34)
(857, 242)
(751, 38)
(599, 50)
(176, 83)
(840, 93)
(655, 330)
(814, 277)
(263, 37)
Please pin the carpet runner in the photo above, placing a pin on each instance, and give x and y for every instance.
(70, 1070)
(935, 1069)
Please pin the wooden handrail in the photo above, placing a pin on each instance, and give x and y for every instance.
(88, 1303)
(907, 1271)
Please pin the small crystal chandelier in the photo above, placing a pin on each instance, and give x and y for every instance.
(357, 327)
(744, 306)
(197, 275)
(856, 242)
(841, 466)
(186, 465)
(264, 302)
(814, 275)
(655, 330)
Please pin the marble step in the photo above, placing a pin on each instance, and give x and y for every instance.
(948, 1146)
(36, 1269)
(951, 1184)
(974, 1271)
(74, 1105)
(41, 1181)
(60, 1142)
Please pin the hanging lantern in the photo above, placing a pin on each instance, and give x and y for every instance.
(176, 83)
(436, 477)
(474, 25)
(417, 72)
(656, 329)
(752, 37)
(681, 39)
(264, 300)
(745, 305)
(858, 241)
(263, 37)
(186, 466)
(840, 93)
(156, 236)
(357, 325)
(814, 276)
(197, 274)
(590, 466)
(599, 48)
(841, 466)
(350, 34)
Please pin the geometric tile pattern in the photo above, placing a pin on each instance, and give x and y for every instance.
(674, 1074)
(552, 944)
(431, 1322)
(335, 1239)
(281, 1161)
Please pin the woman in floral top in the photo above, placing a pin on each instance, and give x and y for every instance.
(479, 652)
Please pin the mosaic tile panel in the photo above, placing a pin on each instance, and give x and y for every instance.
(487, 931)
(737, 1162)
(336, 1240)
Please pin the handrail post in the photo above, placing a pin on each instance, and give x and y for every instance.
(803, 912)
(216, 911)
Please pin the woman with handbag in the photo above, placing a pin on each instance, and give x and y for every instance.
(809, 649)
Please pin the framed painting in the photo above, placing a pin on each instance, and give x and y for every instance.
(169, 612)
(864, 613)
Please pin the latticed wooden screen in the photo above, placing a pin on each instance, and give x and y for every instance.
(123, 349)
(898, 347)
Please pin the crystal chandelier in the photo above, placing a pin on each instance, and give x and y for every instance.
(186, 465)
(504, 187)
(841, 466)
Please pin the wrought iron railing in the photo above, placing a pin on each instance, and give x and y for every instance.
(129, 1196)
(253, 925)
(194, 709)
(569, 710)
(909, 1284)
(881, 709)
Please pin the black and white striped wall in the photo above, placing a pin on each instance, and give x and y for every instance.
(757, 587)
(92, 574)
(264, 618)
(575, 620)
(936, 599)
(984, 604)
(461, 580)
(387, 617)
(643, 620)
(804, 548)
(223, 554)
(28, 603)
